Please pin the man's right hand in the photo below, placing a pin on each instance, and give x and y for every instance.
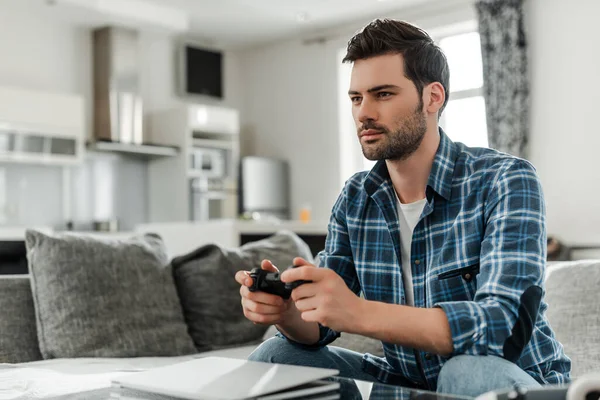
(260, 307)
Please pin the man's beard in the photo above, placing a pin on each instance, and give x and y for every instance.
(401, 143)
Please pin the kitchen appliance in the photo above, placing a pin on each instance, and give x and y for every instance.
(212, 199)
(208, 163)
(118, 105)
(199, 183)
(117, 99)
(264, 188)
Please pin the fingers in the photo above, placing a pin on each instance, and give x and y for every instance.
(310, 316)
(307, 304)
(268, 265)
(299, 261)
(262, 318)
(261, 297)
(304, 291)
(243, 278)
(261, 308)
(307, 272)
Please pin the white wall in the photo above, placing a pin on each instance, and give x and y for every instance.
(41, 54)
(158, 75)
(564, 68)
(291, 113)
(291, 104)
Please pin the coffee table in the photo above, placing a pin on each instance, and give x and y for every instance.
(359, 390)
(22, 383)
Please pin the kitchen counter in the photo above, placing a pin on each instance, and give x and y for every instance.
(17, 234)
(183, 237)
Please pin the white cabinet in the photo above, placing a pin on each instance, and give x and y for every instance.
(200, 182)
(41, 128)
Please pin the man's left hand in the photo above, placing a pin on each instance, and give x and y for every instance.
(327, 300)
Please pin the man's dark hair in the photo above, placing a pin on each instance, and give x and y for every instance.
(424, 61)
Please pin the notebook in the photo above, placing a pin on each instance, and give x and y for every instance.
(219, 378)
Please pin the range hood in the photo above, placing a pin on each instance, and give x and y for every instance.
(118, 105)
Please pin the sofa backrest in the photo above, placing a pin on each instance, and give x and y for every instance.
(574, 311)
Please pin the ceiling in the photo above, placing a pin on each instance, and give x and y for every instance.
(266, 20)
(231, 22)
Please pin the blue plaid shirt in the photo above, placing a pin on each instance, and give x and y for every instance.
(478, 252)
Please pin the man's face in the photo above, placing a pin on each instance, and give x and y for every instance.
(387, 109)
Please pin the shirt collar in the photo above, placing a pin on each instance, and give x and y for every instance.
(440, 178)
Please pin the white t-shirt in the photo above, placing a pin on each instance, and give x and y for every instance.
(408, 216)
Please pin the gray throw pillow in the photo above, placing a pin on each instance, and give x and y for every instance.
(210, 296)
(574, 312)
(105, 298)
(18, 335)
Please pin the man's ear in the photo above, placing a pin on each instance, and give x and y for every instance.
(434, 96)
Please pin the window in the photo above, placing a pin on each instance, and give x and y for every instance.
(351, 157)
(464, 119)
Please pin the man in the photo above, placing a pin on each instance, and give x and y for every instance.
(446, 243)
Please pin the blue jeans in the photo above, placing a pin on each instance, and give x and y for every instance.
(461, 375)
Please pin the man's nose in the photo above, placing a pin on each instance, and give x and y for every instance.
(367, 111)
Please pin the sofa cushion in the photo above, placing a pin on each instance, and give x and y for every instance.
(18, 336)
(104, 298)
(210, 296)
(574, 311)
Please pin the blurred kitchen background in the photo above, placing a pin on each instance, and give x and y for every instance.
(121, 113)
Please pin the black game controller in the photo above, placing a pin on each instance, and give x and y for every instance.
(270, 282)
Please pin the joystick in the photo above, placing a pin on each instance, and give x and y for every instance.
(270, 282)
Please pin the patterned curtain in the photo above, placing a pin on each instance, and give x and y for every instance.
(506, 86)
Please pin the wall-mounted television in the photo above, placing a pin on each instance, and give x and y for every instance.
(201, 71)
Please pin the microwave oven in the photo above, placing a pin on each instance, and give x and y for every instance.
(208, 163)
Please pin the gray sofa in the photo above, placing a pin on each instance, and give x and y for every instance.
(91, 309)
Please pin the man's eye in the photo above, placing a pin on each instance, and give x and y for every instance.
(355, 99)
(384, 94)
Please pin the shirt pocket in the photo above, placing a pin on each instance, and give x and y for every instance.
(458, 284)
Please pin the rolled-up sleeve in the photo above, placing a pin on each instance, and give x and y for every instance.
(500, 319)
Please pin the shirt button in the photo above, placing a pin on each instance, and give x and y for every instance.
(428, 357)
(467, 277)
(417, 262)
